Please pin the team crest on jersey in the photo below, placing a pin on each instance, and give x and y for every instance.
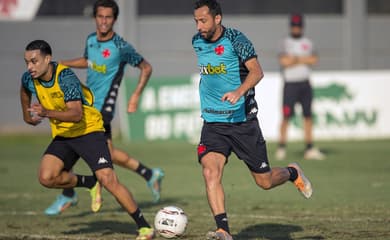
(106, 53)
(219, 50)
(305, 46)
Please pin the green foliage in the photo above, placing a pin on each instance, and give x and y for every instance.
(351, 198)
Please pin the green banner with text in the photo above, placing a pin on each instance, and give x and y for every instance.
(168, 110)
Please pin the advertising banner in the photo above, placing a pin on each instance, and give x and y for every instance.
(18, 10)
(347, 105)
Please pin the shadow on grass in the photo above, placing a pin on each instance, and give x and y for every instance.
(103, 227)
(271, 231)
(142, 205)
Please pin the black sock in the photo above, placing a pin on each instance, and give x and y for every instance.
(222, 222)
(282, 145)
(144, 171)
(293, 173)
(308, 146)
(139, 219)
(68, 192)
(86, 181)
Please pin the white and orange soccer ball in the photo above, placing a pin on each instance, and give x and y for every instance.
(170, 222)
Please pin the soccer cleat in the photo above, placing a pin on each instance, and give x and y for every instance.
(280, 154)
(96, 197)
(302, 183)
(60, 204)
(220, 234)
(154, 183)
(313, 154)
(145, 233)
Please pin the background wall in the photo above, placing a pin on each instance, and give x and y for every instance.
(344, 42)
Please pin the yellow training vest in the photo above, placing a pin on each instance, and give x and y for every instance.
(52, 98)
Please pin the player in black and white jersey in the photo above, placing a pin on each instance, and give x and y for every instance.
(296, 59)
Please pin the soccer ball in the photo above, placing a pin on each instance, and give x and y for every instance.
(170, 222)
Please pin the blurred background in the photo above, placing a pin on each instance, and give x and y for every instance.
(351, 36)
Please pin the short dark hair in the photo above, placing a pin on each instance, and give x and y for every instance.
(40, 45)
(107, 4)
(213, 5)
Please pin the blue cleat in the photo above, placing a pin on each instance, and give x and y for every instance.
(154, 183)
(60, 204)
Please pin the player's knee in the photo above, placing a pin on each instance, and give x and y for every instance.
(107, 177)
(211, 175)
(46, 180)
(265, 185)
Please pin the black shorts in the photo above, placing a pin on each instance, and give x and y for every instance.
(297, 92)
(92, 148)
(108, 131)
(244, 139)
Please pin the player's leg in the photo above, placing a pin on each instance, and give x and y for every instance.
(94, 146)
(289, 99)
(152, 176)
(306, 99)
(278, 176)
(212, 168)
(249, 145)
(55, 171)
(110, 182)
(212, 154)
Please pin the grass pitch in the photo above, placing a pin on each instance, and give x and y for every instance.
(351, 198)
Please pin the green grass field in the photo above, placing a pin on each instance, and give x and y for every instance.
(351, 198)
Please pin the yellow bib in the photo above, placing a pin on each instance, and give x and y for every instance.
(52, 98)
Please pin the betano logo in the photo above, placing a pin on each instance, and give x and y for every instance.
(346, 117)
(210, 70)
(97, 68)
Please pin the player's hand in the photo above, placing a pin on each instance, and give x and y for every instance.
(38, 110)
(132, 105)
(232, 97)
(33, 119)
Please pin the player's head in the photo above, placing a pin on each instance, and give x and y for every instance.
(296, 25)
(208, 17)
(106, 4)
(105, 12)
(38, 56)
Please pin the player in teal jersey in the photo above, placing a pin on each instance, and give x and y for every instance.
(105, 57)
(229, 72)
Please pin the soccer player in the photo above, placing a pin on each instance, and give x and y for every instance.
(229, 71)
(77, 130)
(105, 57)
(296, 60)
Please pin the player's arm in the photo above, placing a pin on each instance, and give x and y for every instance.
(72, 113)
(81, 62)
(309, 60)
(144, 76)
(254, 76)
(25, 100)
(71, 87)
(286, 60)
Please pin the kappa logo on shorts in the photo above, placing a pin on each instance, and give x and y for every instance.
(102, 160)
(263, 165)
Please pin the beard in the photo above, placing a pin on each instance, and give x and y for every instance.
(209, 34)
(296, 35)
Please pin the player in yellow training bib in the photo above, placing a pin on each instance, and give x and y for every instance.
(77, 130)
